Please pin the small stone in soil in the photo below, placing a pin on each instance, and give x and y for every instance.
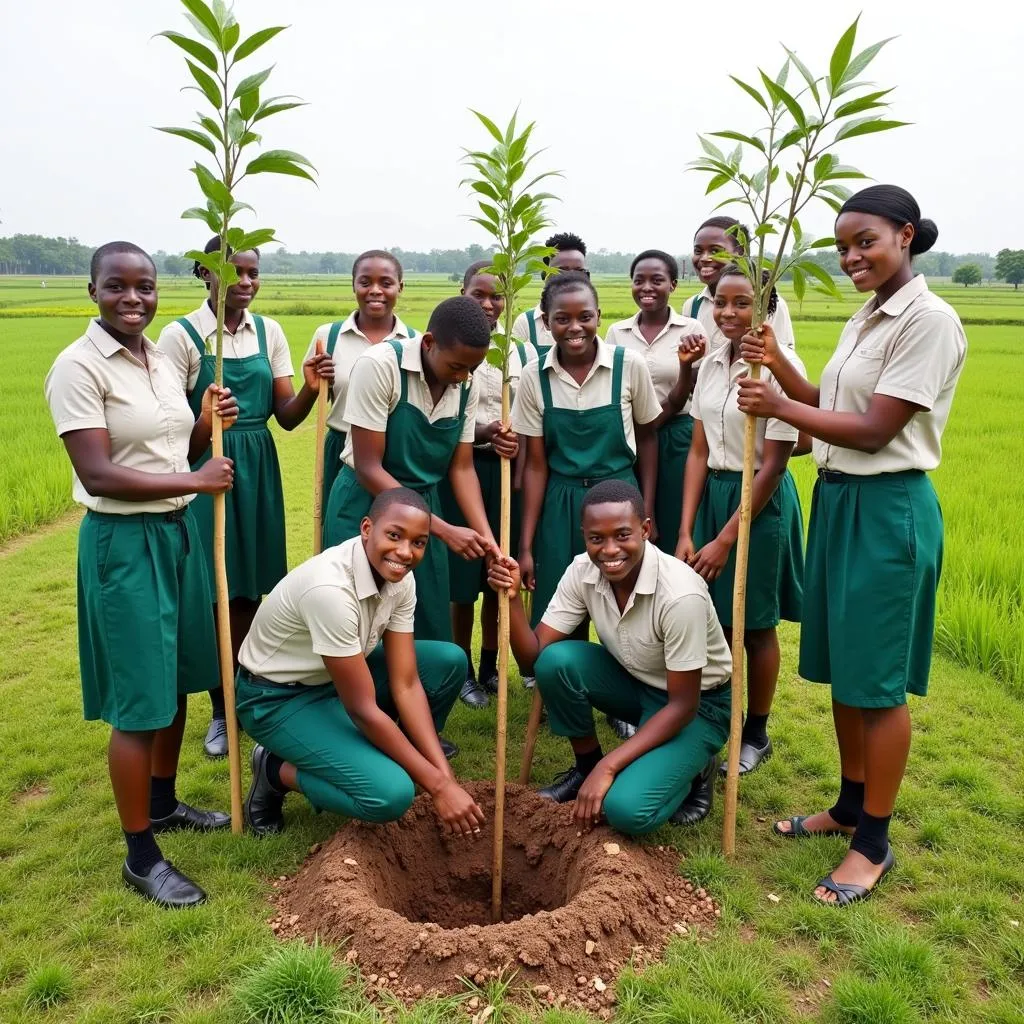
(351, 862)
(599, 985)
(590, 947)
(612, 849)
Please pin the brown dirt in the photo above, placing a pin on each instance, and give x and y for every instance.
(413, 905)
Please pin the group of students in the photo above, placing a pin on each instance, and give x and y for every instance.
(626, 455)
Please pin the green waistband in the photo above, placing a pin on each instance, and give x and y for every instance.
(248, 424)
(731, 476)
(589, 481)
(830, 476)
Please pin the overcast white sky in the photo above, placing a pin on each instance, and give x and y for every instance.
(619, 91)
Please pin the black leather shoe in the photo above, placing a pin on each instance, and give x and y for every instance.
(529, 682)
(263, 803)
(697, 805)
(750, 757)
(449, 749)
(624, 730)
(490, 684)
(188, 818)
(565, 787)
(473, 695)
(216, 742)
(164, 885)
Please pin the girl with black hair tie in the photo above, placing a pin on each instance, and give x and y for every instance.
(874, 550)
(258, 370)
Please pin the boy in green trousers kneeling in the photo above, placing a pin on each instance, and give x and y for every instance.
(344, 704)
(662, 665)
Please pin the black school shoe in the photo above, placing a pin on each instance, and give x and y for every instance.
(449, 749)
(263, 804)
(624, 730)
(750, 757)
(490, 684)
(165, 885)
(473, 694)
(565, 787)
(697, 805)
(216, 742)
(186, 818)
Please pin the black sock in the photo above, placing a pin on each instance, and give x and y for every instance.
(162, 800)
(872, 837)
(143, 852)
(488, 664)
(274, 765)
(586, 763)
(217, 702)
(755, 730)
(848, 807)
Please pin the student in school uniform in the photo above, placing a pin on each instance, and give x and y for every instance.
(662, 664)
(145, 630)
(715, 238)
(669, 344)
(411, 422)
(345, 705)
(493, 442)
(874, 549)
(586, 412)
(571, 254)
(711, 499)
(377, 283)
(258, 370)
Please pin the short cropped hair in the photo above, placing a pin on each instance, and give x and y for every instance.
(615, 492)
(113, 249)
(397, 496)
(460, 320)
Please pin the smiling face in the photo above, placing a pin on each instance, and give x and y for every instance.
(707, 244)
(615, 537)
(652, 285)
(239, 296)
(573, 321)
(483, 290)
(872, 250)
(451, 364)
(396, 543)
(125, 293)
(377, 285)
(734, 306)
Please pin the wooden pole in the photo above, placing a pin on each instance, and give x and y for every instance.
(532, 728)
(498, 853)
(318, 471)
(739, 610)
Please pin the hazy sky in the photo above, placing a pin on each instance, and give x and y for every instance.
(618, 90)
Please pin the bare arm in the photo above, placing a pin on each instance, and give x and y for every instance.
(466, 488)
(694, 478)
(763, 348)
(535, 481)
(291, 409)
(647, 463)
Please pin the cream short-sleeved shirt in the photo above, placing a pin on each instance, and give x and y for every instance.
(351, 344)
(375, 388)
(181, 350)
(521, 328)
(912, 347)
(96, 384)
(639, 402)
(668, 624)
(660, 355)
(328, 607)
(781, 321)
(715, 405)
(488, 379)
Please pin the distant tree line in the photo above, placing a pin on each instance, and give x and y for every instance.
(37, 254)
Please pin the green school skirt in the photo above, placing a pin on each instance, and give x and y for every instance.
(334, 445)
(673, 447)
(145, 625)
(468, 579)
(254, 511)
(874, 556)
(775, 574)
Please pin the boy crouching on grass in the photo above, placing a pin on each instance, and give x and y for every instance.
(345, 705)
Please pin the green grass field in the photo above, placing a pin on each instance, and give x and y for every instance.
(942, 942)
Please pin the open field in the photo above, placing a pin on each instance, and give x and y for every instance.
(942, 942)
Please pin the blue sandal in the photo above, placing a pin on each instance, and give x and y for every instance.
(848, 892)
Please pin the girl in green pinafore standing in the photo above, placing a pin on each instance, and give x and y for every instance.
(258, 370)
(587, 412)
(410, 415)
(874, 546)
(377, 284)
(145, 630)
(711, 500)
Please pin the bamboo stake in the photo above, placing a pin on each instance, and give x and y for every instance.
(739, 610)
(318, 471)
(532, 728)
(498, 853)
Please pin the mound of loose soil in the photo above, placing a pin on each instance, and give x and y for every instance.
(413, 905)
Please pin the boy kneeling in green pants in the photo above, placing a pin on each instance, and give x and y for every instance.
(328, 667)
(662, 665)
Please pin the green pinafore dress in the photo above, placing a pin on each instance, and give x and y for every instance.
(417, 453)
(583, 447)
(255, 536)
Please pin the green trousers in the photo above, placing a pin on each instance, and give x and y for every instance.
(575, 676)
(339, 769)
